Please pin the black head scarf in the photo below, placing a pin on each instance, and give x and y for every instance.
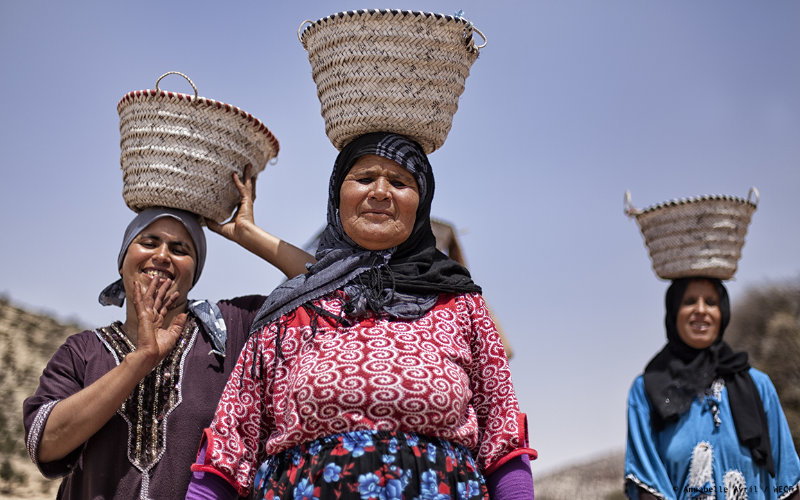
(677, 374)
(403, 281)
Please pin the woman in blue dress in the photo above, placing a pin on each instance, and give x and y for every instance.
(702, 423)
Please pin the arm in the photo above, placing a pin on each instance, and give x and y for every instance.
(503, 427)
(243, 230)
(75, 419)
(645, 473)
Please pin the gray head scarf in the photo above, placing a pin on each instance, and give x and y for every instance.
(114, 294)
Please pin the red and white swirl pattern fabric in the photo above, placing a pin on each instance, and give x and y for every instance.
(444, 375)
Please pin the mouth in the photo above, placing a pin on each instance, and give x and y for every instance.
(159, 273)
(699, 326)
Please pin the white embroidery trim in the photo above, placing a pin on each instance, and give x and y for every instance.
(735, 485)
(35, 435)
(145, 489)
(635, 480)
(700, 472)
(796, 487)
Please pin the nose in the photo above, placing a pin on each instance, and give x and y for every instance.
(702, 307)
(161, 253)
(381, 189)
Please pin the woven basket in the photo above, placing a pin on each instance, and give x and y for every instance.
(389, 71)
(695, 237)
(179, 151)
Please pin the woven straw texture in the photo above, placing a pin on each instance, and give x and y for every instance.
(389, 71)
(695, 237)
(179, 151)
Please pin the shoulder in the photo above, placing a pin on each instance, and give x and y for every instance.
(763, 382)
(637, 397)
(244, 303)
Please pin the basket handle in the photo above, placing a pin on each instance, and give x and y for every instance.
(485, 40)
(753, 191)
(300, 29)
(630, 210)
(177, 73)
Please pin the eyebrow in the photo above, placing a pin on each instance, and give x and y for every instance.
(403, 174)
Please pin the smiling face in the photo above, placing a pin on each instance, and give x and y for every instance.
(699, 315)
(378, 203)
(163, 249)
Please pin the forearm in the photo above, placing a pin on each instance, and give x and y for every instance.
(290, 259)
(77, 418)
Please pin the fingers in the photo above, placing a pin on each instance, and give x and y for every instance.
(214, 226)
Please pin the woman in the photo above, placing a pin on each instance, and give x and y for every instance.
(118, 409)
(379, 374)
(701, 422)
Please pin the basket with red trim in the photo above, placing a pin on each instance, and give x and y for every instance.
(179, 150)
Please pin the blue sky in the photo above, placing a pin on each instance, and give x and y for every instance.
(570, 103)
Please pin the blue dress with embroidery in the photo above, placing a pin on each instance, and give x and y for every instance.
(700, 455)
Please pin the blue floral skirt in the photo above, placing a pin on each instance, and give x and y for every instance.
(372, 465)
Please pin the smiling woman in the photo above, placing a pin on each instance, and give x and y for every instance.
(116, 406)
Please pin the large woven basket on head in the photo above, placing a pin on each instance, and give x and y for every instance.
(180, 151)
(695, 237)
(389, 71)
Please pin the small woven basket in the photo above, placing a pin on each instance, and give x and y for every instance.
(695, 237)
(179, 151)
(389, 71)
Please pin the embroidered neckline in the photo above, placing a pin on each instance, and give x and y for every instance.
(149, 405)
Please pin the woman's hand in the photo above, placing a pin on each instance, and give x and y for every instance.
(242, 223)
(151, 305)
(243, 230)
(77, 418)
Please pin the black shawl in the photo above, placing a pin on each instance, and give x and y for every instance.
(403, 281)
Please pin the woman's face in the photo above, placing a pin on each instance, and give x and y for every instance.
(163, 249)
(699, 315)
(378, 203)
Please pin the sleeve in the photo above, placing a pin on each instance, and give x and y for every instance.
(643, 465)
(233, 445)
(787, 464)
(62, 377)
(503, 429)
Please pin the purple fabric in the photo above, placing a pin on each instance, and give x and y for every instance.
(207, 486)
(512, 481)
(100, 468)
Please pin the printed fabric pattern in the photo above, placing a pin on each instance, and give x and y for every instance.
(372, 464)
(444, 375)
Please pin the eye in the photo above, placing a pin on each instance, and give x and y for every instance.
(180, 250)
(399, 184)
(364, 180)
(689, 301)
(147, 243)
(711, 302)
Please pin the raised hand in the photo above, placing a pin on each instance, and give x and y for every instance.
(152, 304)
(236, 229)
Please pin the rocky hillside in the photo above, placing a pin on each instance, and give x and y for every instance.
(27, 341)
(599, 478)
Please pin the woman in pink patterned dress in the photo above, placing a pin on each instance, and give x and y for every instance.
(379, 373)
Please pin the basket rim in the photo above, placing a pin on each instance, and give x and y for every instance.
(361, 12)
(696, 199)
(136, 95)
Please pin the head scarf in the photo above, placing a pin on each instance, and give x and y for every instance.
(114, 294)
(403, 281)
(677, 374)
